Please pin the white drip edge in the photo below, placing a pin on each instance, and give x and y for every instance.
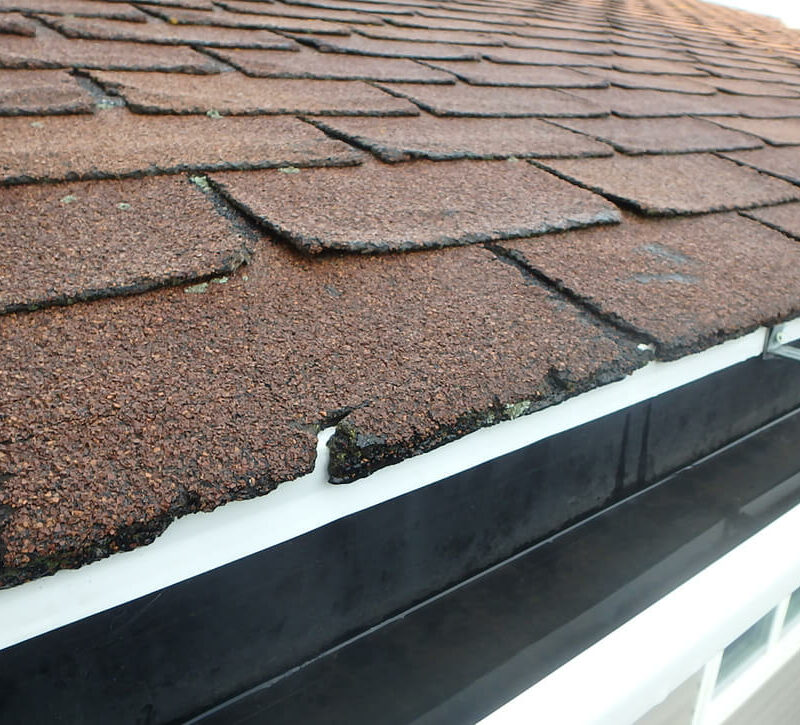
(200, 542)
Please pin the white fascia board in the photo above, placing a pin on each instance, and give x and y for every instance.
(633, 669)
(200, 542)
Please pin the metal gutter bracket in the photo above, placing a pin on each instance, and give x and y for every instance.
(779, 344)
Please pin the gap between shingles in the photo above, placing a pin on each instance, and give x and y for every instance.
(532, 274)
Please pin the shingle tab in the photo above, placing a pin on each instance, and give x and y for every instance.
(26, 92)
(49, 50)
(168, 34)
(654, 104)
(394, 140)
(232, 93)
(785, 218)
(778, 131)
(683, 184)
(662, 135)
(109, 144)
(497, 101)
(84, 240)
(330, 66)
(378, 208)
(496, 74)
(359, 45)
(78, 8)
(680, 281)
(781, 162)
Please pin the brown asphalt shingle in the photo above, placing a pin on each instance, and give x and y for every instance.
(785, 218)
(378, 208)
(233, 93)
(781, 162)
(329, 66)
(487, 73)
(135, 410)
(79, 8)
(775, 131)
(50, 50)
(668, 185)
(28, 92)
(109, 144)
(392, 139)
(686, 283)
(84, 240)
(156, 31)
(661, 135)
(497, 101)
(120, 414)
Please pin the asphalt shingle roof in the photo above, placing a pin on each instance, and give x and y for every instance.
(219, 225)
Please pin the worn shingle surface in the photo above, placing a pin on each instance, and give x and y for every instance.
(439, 138)
(216, 145)
(374, 208)
(115, 143)
(84, 240)
(681, 282)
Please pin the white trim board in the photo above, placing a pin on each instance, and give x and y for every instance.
(200, 542)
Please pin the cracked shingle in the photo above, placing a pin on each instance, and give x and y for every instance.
(109, 144)
(360, 45)
(394, 140)
(679, 281)
(785, 218)
(662, 135)
(778, 131)
(168, 34)
(497, 101)
(84, 240)
(232, 93)
(329, 66)
(184, 402)
(79, 8)
(781, 162)
(380, 208)
(50, 50)
(678, 184)
(28, 92)
(496, 74)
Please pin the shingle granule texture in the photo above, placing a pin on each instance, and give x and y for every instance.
(643, 103)
(496, 74)
(679, 281)
(85, 240)
(661, 135)
(497, 102)
(781, 162)
(377, 208)
(359, 45)
(135, 410)
(50, 50)
(27, 92)
(647, 81)
(778, 131)
(78, 8)
(527, 56)
(168, 34)
(235, 94)
(394, 139)
(16, 24)
(785, 218)
(116, 143)
(668, 185)
(311, 64)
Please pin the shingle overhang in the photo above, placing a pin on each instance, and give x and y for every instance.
(226, 225)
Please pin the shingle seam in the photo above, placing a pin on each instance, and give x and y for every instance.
(534, 275)
(771, 225)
